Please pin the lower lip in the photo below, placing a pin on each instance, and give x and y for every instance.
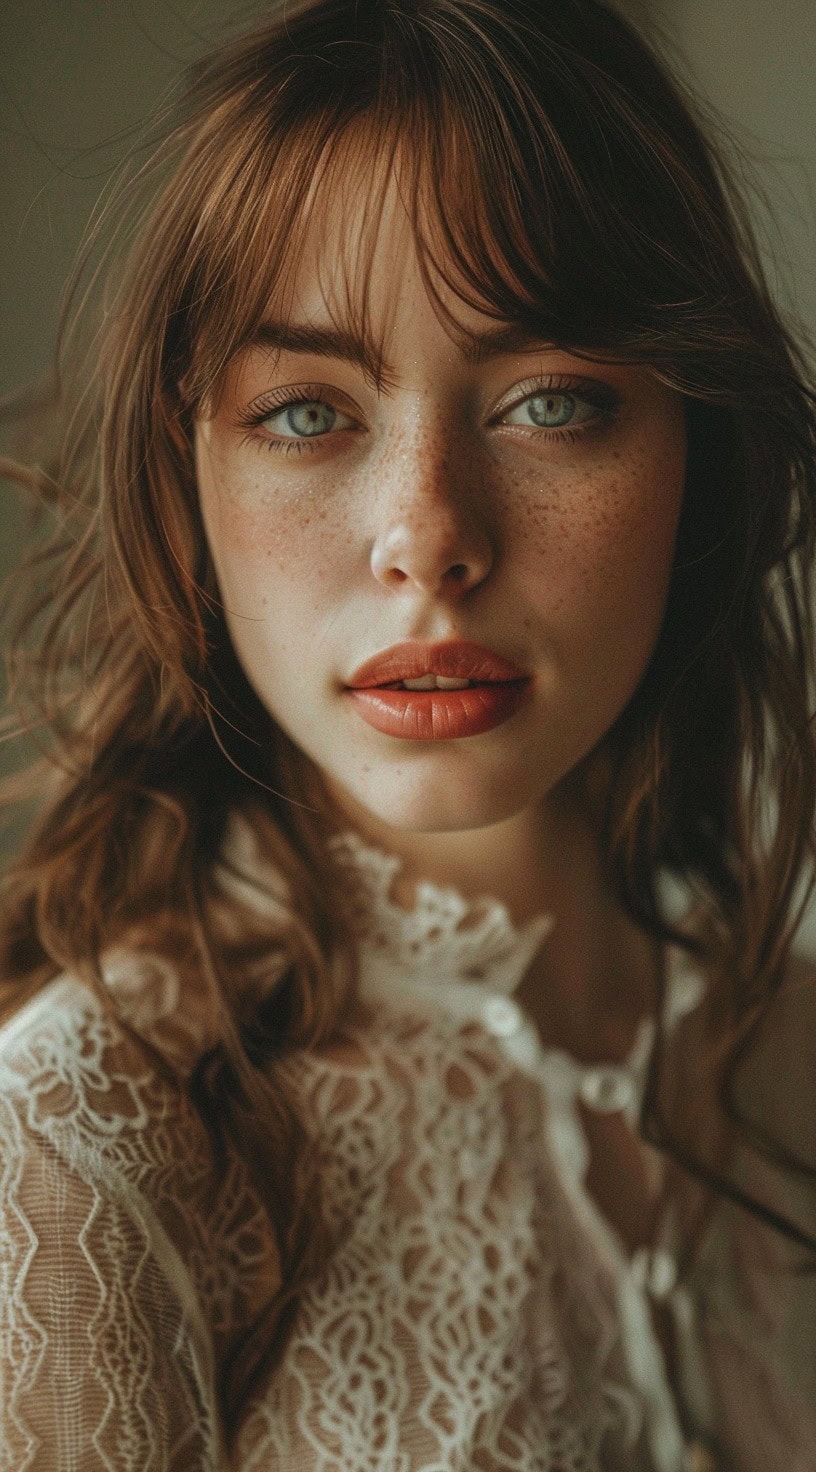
(439, 715)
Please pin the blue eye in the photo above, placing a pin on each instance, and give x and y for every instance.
(552, 409)
(302, 419)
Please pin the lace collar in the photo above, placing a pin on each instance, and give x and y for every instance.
(443, 938)
(444, 954)
(467, 957)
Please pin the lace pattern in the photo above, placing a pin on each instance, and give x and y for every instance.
(460, 1323)
(474, 1313)
(442, 936)
(120, 1269)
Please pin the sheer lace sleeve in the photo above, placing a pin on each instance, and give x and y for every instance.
(106, 1359)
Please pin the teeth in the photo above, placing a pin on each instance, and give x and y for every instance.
(435, 682)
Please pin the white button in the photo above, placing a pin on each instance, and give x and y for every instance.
(655, 1270)
(607, 1089)
(502, 1017)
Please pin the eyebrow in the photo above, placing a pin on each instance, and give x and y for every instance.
(337, 342)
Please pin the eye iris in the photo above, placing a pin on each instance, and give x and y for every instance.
(551, 411)
(312, 417)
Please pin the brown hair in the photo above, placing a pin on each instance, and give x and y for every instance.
(557, 179)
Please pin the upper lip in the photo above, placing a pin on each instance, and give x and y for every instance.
(458, 660)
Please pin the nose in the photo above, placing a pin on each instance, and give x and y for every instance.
(434, 530)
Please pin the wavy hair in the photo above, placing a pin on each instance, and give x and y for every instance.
(557, 178)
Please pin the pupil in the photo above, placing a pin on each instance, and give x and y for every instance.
(310, 418)
(550, 411)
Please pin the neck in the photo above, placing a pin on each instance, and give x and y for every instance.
(514, 861)
(597, 974)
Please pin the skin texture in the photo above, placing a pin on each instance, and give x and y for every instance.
(436, 509)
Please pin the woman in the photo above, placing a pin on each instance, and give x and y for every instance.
(428, 667)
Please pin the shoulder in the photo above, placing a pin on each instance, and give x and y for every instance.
(148, 1002)
(120, 1233)
(64, 1047)
(773, 1150)
(775, 1083)
(774, 1077)
(81, 1094)
(55, 1046)
(77, 1087)
(753, 1286)
(104, 1250)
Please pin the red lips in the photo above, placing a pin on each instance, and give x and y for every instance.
(499, 689)
(458, 660)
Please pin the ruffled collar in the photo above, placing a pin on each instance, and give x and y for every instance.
(443, 938)
(446, 954)
(467, 957)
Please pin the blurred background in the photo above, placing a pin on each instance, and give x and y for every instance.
(79, 77)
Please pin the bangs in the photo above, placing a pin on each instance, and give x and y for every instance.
(535, 192)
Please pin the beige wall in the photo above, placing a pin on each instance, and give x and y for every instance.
(757, 63)
(78, 78)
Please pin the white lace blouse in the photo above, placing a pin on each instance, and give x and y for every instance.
(477, 1313)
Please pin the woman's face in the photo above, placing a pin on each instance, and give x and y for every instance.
(494, 490)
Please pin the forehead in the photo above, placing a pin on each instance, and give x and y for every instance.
(367, 243)
(362, 221)
(357, 242)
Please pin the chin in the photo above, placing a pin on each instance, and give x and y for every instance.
(417, 805)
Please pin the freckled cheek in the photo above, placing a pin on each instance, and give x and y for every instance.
(270, 550)
(598, 548)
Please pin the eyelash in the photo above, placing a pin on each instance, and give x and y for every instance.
(603, 398)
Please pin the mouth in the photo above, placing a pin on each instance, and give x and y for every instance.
(437, 692)
(452, 666)
(438, 715)
(430, 682)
